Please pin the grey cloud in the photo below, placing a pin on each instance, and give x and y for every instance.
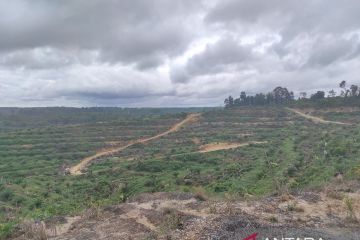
(290, 17)
(123, 31)
(45, 58)
(317, 52)
(181, 52)
(219, 57)
(110, 82)
(147, 45)
(328, 50)
(245, 11)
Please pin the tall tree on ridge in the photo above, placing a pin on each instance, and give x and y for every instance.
(354, 90)
(345, 91)
(303, 95)
(332, 93)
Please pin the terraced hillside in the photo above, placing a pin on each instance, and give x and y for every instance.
(233, 153)
(34, 161)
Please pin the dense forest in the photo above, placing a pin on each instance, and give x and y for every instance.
(281, 95)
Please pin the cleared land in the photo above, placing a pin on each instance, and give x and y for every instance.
(224, 154)
(77, 169)
(185, 216)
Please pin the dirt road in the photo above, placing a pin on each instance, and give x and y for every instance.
(315, 119)
(76, 170)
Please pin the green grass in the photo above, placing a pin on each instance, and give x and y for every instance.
(298, 154)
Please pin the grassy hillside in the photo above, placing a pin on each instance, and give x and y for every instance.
(294, 153)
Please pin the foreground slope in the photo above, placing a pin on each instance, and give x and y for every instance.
(187, 216)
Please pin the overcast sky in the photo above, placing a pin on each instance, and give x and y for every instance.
(172, 52)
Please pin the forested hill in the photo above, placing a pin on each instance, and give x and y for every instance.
(348, 96)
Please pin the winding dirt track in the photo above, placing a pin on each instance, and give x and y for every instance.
(76, 170)
(315, 119)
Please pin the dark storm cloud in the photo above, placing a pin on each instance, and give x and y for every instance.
(290, 17)
(180, 52)
(147, 45)
(123, 31)
(292, 20)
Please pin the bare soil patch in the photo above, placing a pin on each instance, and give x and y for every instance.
(196, 141)
(211, 147)
(27, 146)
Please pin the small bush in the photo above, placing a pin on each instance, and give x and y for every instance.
(34, 230)
(351, 217)
(334, 195)
(273, 219)
(292, 207)
(173, 220)
(291, 171)
(200, 196)
(6, 195)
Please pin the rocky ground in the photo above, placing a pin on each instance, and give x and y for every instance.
(329, 214)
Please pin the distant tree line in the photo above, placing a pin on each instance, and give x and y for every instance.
(281, 95)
